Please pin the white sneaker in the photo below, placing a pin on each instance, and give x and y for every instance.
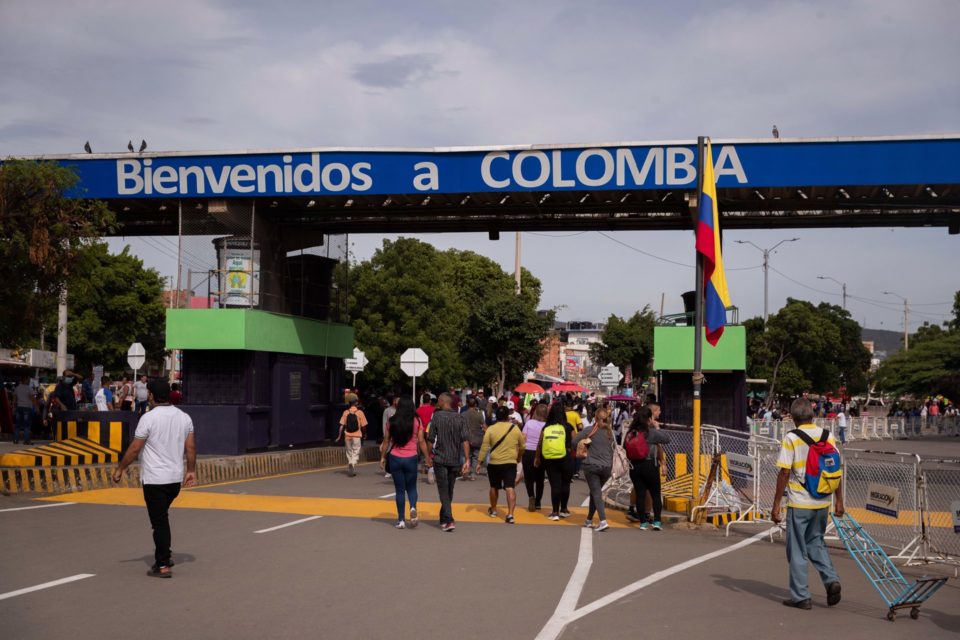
(589, 524)
(603, 526)
(401, 525)
(387, 475)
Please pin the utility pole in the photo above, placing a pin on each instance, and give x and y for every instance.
(766, 272)
(516, 264)
(843, 286)
(906, 319)
(62, 332)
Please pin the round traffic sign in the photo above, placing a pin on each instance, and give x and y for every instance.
(414, 362)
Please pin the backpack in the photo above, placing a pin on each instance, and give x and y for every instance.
(554, 442)
(636, 446)
(352, 424)
(823, 472)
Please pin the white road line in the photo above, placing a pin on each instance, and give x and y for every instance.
(39, 506)
(289, 524)
(571, 594)
(562, 617)
(45, 585)
(389, 495)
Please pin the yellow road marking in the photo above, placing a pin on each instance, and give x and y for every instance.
(335, 507)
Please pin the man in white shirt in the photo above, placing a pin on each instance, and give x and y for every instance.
(842, 425)
(162, 438)
(142, 394)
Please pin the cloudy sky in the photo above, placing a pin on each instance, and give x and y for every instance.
(205, 75)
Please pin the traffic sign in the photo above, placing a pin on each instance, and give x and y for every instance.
(357, 363)
(136, 356)
(414, 362)
(610, 376)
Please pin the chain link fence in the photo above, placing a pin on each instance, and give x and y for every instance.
(940, 480)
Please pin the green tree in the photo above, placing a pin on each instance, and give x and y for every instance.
(113, 302)
(411, 295)
(932, 364)
(42, 235)
(627, 342)
(504, 338)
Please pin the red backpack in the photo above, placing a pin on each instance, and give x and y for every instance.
(636, 446)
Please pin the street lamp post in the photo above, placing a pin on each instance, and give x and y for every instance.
(766, 272)
(843, 285)
(906, 319)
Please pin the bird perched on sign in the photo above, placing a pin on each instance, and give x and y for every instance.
(130, 146)
(143, 146)
(86, 147)
(776, 132)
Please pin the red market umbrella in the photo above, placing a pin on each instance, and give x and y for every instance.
(529, 387)
(622, 398)
(563, 387)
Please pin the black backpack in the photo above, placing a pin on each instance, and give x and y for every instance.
(353, 423)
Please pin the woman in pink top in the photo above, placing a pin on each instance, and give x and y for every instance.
(404, 434)
(533, 476)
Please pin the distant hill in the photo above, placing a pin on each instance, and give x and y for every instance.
(884, 340)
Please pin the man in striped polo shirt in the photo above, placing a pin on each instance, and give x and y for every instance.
(806, 515)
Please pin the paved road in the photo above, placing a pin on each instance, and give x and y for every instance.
(350, 574)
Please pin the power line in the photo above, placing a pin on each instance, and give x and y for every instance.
(667, 260)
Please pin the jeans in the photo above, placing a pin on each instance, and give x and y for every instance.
(560, 474)
(474, 455)
(843, 435)
(645, 476)
(404, 472)
(805, 528)
(596, 478)
(353, 449)
(446, 475)
(533, 477)
(24, 417)
(159, 497)
(141, 406)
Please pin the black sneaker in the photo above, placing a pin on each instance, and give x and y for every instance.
(509, 520)
(633, 516)
(833, 594)
(798, 604)
(160, 571)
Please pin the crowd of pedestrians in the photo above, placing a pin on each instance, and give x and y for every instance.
(34, 405)
(520, 441)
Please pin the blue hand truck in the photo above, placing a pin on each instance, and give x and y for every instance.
(885, 577)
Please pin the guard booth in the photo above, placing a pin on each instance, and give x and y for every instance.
(724, 399)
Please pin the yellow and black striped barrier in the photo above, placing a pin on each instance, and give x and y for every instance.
(112, 429)
(69, 452)
(62, 479)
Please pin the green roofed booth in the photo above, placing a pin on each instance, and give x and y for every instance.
(724, 401)
(255, 379)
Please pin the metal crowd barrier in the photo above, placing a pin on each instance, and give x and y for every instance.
(869, 427)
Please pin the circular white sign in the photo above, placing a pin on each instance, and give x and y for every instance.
(414, 362)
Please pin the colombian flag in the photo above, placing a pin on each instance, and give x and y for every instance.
(715, 294)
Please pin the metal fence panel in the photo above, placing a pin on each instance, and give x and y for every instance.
(941, 487)
(899, 530)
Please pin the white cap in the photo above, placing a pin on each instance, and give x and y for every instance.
(510, 404)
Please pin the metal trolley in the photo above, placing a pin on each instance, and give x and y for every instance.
(882, 573)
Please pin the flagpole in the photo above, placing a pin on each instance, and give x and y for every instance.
(698, 336)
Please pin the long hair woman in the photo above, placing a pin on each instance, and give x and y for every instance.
(399, 450)
(553, 453)
(533, 476)
(645, 471)
(598, 464)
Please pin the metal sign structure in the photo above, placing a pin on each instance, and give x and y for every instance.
(414, 362)
(610, 376)
(356, 364)
(136, 357)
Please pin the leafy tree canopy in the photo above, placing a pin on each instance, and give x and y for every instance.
(448, 303)
(627, 342)
(42, 236)
(807, 348)
(932, 364)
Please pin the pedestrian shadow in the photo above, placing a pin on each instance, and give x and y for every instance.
(178, 558)
(761, 589)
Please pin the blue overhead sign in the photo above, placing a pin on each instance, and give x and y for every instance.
(852, 162)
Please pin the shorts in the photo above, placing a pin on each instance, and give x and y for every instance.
(502, 476)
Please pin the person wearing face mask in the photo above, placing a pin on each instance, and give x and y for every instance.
(64, 398)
